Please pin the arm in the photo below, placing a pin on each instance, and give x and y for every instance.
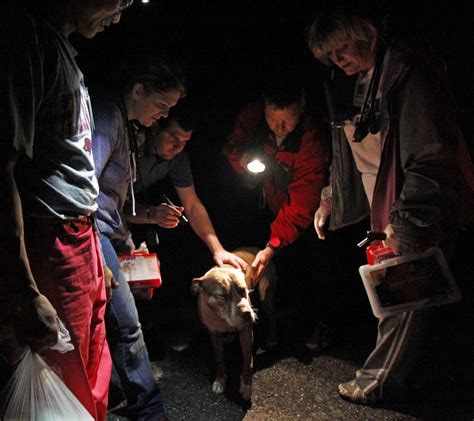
(163, 215)
(106, 135)
(429, 203)
(33, 318)
(304, 192)
(22, 88)
(202, 226)
(322, 214)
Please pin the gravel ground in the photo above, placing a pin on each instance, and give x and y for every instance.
(292, 383)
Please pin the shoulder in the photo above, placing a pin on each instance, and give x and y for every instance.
(181, 160)
(408, 63)
(105, 107)
(106, 113)
(22, 33)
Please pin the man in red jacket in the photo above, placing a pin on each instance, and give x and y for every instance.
(293, 148)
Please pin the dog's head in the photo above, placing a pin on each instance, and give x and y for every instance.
(224, 297)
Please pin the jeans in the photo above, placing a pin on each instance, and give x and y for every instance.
(128, 349)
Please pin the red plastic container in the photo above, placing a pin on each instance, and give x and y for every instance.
(378, 253)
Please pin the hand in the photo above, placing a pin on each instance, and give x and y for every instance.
(110, 283)
(244, 160)
(34, 321)
(142, 248)
(262, 259)
(403, 239)
(223, 256)
(320, 218)
(166, 216)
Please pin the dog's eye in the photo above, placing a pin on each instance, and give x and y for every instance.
(241, 291)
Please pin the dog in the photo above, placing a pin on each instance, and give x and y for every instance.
(224, 307)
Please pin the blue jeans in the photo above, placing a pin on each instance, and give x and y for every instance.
(128, 349)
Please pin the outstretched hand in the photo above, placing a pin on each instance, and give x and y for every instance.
(225, 257)
(262, 259)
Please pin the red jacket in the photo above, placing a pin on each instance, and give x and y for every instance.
(305, 158)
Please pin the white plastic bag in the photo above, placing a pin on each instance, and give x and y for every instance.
(35, 392)
(64, 339)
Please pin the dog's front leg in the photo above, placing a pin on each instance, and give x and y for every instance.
(266, 290)
(218, 346)
(246, 343)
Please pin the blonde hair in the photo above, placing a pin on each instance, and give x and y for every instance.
(328, 32)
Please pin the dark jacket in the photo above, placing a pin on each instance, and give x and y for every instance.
(425, 180)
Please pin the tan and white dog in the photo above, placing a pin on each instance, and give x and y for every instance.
(224, 306)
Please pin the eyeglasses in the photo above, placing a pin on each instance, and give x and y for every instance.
(122, 4)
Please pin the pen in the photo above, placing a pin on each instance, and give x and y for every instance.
(182, 218)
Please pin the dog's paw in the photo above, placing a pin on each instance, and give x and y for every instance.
(245, 391)
(218, 386)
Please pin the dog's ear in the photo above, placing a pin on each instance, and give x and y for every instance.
(196, 286)
(250, 277)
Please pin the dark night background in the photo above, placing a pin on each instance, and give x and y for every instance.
(228, 48)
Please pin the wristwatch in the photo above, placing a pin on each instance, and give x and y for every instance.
(274, 244)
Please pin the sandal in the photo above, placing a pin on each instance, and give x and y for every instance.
(353, 393)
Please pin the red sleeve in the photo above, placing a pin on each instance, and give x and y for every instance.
(245, 123)
(309, 177)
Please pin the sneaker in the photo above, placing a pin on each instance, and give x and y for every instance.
(321, 338)
(351, 391)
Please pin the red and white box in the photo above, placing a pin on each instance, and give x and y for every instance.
(141, 270)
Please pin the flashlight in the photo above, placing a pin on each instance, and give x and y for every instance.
(256, 166)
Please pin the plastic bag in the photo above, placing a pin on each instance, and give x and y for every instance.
(35, 392)
(64, 339)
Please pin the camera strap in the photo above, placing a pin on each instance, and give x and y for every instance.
(135, 170)
(368, 117)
